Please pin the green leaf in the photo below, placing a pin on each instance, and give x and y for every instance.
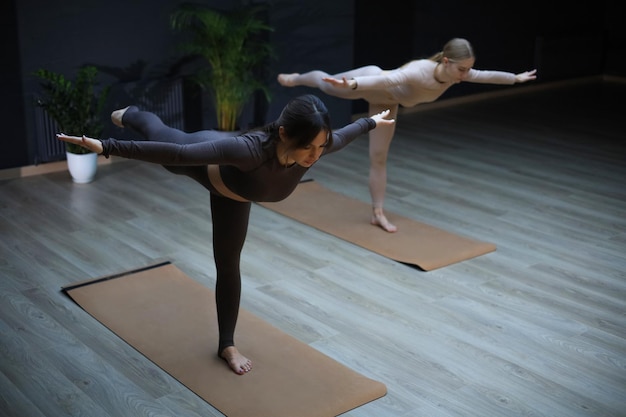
(232, 46)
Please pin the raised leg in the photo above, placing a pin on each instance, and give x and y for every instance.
(314, 79)
(150, 127)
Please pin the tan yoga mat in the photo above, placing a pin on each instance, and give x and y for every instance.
(414, 243)
(171, 319)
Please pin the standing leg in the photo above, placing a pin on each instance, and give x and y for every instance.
(380, 140)
(230, 226)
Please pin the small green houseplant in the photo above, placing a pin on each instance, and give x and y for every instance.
(232, 45)
(75, 106)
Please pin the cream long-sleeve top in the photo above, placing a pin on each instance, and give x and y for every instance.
(414, 83)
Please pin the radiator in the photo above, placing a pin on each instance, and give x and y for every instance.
(48, 148)
(165, 99)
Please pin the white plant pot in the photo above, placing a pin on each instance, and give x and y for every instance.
(82, 167)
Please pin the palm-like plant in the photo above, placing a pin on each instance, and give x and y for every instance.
(75, 106)
(232, 45)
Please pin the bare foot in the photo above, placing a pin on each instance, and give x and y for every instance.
(287, 80)
(379, 219)
(116, 117)
(237, 362)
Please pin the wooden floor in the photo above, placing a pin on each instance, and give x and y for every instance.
(537, 328)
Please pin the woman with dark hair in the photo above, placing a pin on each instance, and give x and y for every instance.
(261, 165)
(418, 81)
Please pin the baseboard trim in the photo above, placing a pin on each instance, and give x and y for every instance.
(47, 168)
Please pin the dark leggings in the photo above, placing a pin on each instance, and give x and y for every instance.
(229, 218)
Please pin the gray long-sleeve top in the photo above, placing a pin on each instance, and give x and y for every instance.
(249, 165)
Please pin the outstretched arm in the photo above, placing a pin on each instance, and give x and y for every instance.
(499, 77)
(229, 150)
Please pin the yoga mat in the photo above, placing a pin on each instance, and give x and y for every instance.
(171, 319)
(414, 243)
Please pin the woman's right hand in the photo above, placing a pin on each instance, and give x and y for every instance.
(343, 83)
(381, 118)
(93, 145)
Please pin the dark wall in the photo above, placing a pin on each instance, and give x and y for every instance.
(383, 37)
(130, 41)
(309, 35)
(14, 150)
(561, 39)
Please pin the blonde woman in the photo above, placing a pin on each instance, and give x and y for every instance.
(418, 81)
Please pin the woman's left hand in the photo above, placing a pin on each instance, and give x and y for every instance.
(522, 77)
(381, 118)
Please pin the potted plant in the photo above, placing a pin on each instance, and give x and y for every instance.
(76, 108)
(232, 45)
